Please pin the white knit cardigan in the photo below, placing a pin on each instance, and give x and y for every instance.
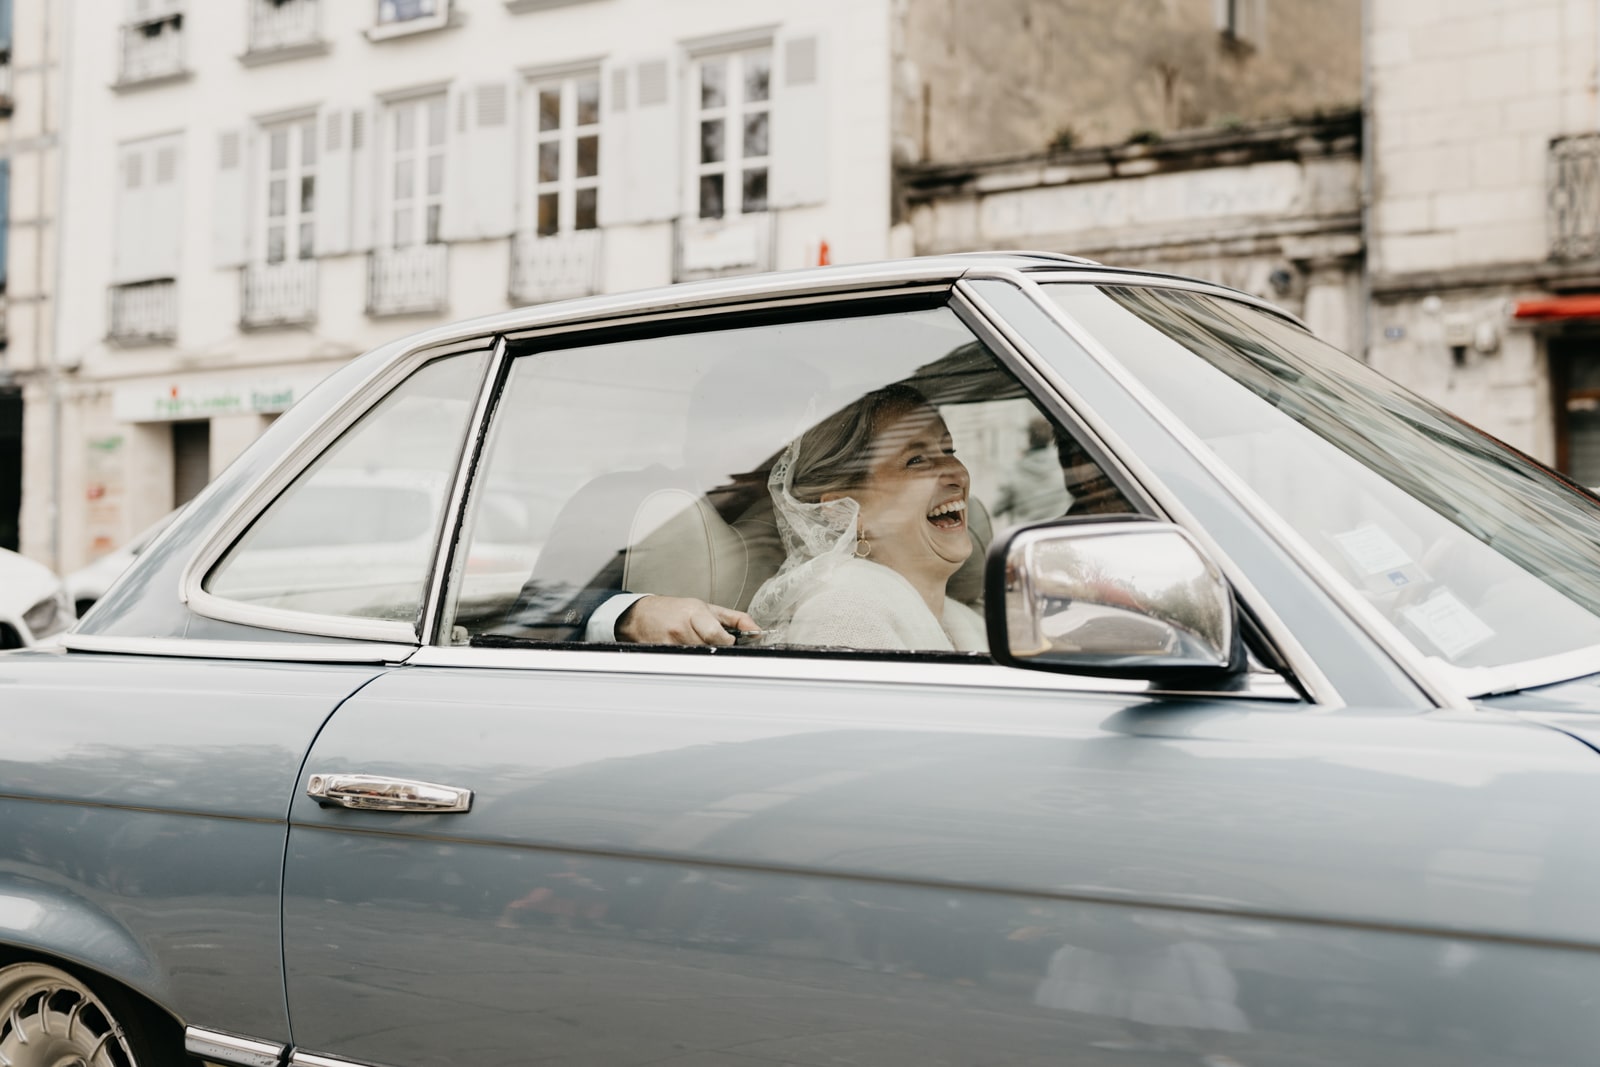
(862, 604)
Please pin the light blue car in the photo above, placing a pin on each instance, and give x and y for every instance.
(646, 680)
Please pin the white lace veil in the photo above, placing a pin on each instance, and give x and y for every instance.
(817, 538)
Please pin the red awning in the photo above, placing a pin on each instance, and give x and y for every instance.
(1586, 306)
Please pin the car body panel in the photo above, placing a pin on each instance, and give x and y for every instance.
(631, 817)
(142, 807)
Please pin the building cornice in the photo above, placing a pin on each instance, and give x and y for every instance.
(1583, 275)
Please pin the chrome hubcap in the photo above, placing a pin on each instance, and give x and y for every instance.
(49, 1019)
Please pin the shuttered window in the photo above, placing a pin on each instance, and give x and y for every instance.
(289, 184)
(733, 94)
(413, 182)
(563, 139)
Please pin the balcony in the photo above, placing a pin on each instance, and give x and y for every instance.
(556, 267)
(152, 51)
(284, 28)
(279, 294)
(408, 281)
(711, 248)
(1574, 197)
(144, 312)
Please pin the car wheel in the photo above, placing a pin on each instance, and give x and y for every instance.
(48, 1018)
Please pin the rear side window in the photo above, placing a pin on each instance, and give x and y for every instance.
(355, 534)
(832, 481)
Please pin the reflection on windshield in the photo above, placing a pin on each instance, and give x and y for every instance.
(1472, 550)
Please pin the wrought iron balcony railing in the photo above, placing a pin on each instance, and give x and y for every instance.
(276, 24)
(407, 281)
(152, 49)
(1574, 197)
(711, 248)
(555, 267)
(279, 294)
(144, 312)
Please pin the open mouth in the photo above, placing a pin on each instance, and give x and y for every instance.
(951, 515)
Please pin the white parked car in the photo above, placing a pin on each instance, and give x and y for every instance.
(33, 602)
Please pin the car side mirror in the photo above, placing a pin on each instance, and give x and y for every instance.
(1124, 597)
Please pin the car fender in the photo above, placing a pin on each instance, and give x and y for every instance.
(36, 917)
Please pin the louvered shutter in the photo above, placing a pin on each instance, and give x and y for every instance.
(655, 143)
(127, 248)
(363, 176)
(333, 183)
(164, 208)
(229, 215)
(456, 223)
(615, 144)
(799, 121)
(494, 163)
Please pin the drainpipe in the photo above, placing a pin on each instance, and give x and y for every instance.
(1369, 147)
(62, 126)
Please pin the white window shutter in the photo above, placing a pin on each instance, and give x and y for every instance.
(799, 121)
(165, 207)
(494, 163)
(333, 182)
(364, 139)
(129, 224)
(615, 143)
(457, 222)
(230, 217)
(655, 139)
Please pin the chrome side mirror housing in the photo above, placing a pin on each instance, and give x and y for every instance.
(1123, 597)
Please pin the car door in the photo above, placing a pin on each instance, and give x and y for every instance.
(599, 854)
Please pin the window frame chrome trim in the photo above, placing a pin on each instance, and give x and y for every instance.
(231, 526)
(1264, 686)
(317, 1059)
(1439, 689)
(1301, 663)
(276, 651)
(219, 1047)
(455, 514)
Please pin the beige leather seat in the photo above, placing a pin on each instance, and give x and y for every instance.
(681, 546)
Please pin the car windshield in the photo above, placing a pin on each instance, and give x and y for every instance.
(1475, 553)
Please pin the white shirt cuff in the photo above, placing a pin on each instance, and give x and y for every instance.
(603, 623)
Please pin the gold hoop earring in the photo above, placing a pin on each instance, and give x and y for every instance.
(863, 548)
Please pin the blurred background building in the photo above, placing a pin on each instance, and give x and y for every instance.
(253, 191)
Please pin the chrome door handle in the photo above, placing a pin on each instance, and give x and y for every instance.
(372, 792)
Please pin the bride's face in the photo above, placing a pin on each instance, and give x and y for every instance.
(914, 497)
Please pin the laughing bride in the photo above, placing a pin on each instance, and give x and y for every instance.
(871, 503)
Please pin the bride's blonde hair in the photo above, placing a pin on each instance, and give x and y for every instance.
(835, 455)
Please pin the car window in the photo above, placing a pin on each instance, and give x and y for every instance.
(834, 481)
(355, 534)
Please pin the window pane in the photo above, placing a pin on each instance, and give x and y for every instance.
(278, 150)
(355, 535)
(755, 135)
(755, 190)
(713, 83)
(402, 228)
(587, 204)
(275, 244)
(588, 156)
(550, 161)
(276, 196)
(675, 497)
(308, 240)
(404, 188)
(435, 175)
(435, 121)
(757, 76)
(588, 101)
(712, 148)
(405, 128)
(711, 196)
(549, 110)
(308, 144)
(434, 213)
(308, 194)
(549, 213)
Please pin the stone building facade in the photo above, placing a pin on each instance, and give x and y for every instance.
(262, 189)
(1219, 138)
(1485, 226)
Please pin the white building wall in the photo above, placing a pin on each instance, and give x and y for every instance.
(487, 39)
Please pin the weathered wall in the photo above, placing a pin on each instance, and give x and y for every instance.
(980, 79)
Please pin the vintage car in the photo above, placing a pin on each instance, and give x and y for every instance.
(1279, 754)
(34, 604)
